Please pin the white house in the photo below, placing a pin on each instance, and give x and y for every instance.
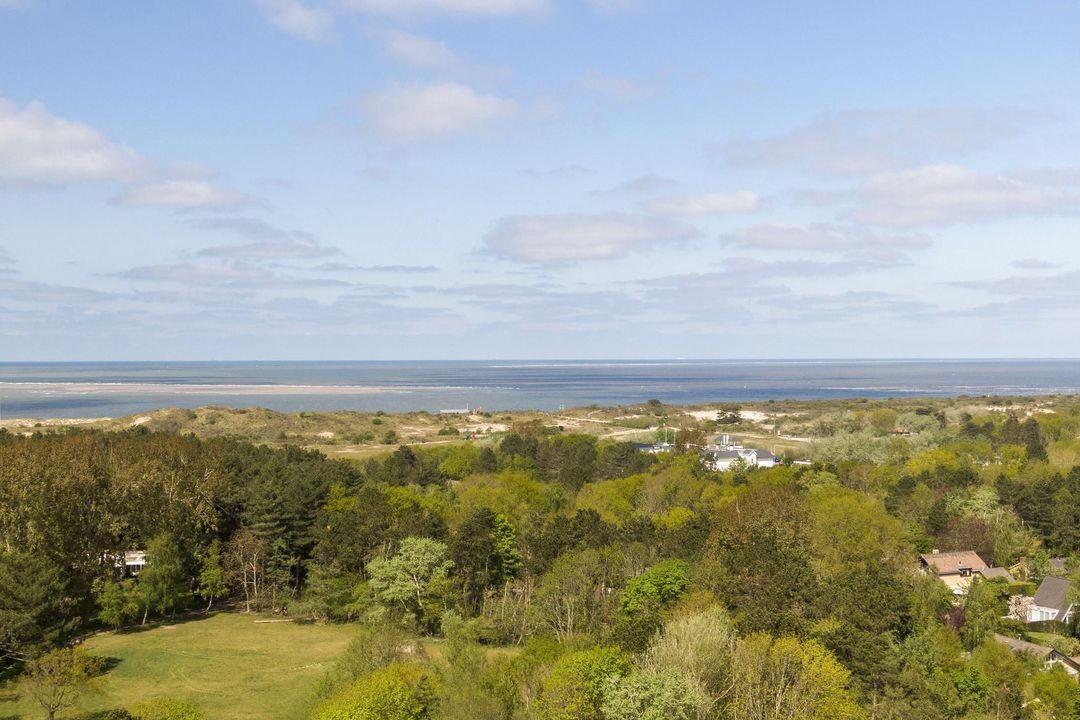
(723, 457)
(132, 563)
(1051, 601)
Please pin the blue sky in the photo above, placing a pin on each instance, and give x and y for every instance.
(400, 179)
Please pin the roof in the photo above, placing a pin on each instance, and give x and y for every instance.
(726, 454)
(1052, 593)
(1040, 651)
(996, 572)
(950, 563)
(1017, 645)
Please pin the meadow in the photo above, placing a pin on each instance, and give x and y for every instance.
(228, 664)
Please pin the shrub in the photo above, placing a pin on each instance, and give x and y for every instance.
(166, 708)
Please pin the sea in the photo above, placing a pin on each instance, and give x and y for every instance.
(116, 389)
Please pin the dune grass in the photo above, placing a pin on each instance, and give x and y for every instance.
(228, 665)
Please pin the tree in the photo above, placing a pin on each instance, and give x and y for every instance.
(397, 692)
(56, 679)
(575, 688)
(760, 540)
(212, 576)
(162, 583)
(659, 586)
(245, 564)
(485, 555)
(37, 606)
(1008, 677)
(700, 646)
(789, 678)
(404, 579)
(983, 605)
(119, 602)
(666, 695)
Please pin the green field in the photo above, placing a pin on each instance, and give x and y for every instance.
(227, 664)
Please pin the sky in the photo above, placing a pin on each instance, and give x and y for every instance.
(478, 179)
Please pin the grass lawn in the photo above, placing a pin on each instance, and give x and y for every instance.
(226, 664)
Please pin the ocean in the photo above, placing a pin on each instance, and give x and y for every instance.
(113, 389)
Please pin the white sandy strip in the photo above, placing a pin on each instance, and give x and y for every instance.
(76, 388)
(751, 415)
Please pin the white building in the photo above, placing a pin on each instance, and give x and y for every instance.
(1051, 601)
(724, 455)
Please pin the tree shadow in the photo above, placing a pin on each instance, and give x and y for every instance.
(179, 619)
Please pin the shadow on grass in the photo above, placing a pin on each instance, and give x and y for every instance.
(106, 664)
(179, 619)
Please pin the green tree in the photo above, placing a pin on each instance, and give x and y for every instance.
(38, 607)
(373, 648)
(405, 578)
(397, 692)
(212, 575)
(162, 583)
(56, 679)
(667, 695)
(761, 541)
(659, 586)
(575, 688)
(983, 605)
(789, 678)
(484, 553)
(700, 646)
(118, 602)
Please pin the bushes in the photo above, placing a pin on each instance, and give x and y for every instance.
(396, 692)
(164, 708)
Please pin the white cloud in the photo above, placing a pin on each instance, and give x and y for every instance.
(182, 194)
(272, 249)
(419, 51)
(416, 113)
(295, 17)
(617, 88)
(1061, 285)
(5, 259)
(642, 184)
(828, 238)
(554, 239)
(857, 142)
(947, 194)
(39, 148)
(707, 204)
(1034, 264)
(462, 7)
(613, 7)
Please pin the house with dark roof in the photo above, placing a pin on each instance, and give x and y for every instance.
(1048, 655)
(1051, 601)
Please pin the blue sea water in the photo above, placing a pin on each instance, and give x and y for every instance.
(57, 390)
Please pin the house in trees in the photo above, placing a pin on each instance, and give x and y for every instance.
(133, 563)
(1049, 656)
(1051, 601)
(956, 569)
(723, 455)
